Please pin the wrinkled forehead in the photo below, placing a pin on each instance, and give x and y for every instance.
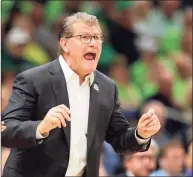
(86, 28)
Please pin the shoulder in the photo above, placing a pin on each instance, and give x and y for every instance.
(36, 72)
(104, 80)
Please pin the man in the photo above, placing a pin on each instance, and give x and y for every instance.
(141, 163)
(59, 114)
(172, 160)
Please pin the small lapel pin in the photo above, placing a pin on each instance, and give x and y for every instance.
(96, 87)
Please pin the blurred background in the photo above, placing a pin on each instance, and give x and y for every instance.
(147, 51)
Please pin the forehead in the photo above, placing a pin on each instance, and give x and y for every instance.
(82, 27)
(150, 152)
(174, 151)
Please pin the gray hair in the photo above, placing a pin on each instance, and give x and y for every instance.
(65, 28)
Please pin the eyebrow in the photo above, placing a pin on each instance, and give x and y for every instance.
(89, 34)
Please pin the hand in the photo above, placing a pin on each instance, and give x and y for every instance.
(54, 118)
(3, 127)
(148, 124)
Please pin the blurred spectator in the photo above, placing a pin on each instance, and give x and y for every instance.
(14, 14)
(179, 65)
(108, 52)
(146, 71)
(110, 160)
(171, 161)
(188, 21)
(12, 52)
(120, 21)
(165, 94)
(189, 160)
(53, 15)
(102, 171)
(188, 101)
(141, 163)
(163, 137)
(42, 34)
(183, 58)
(129, 94)
(167, 14)
(72, 6)
(172, 39)
(40, 56)
(142, 11)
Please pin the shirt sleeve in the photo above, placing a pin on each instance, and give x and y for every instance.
(38, 135)
(139, 140)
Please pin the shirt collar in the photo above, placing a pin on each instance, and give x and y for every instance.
(69, 73)
(129, 173)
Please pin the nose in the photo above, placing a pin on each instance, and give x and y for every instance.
(93, 42)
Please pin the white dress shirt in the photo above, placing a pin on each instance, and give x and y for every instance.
(129, 173)
(79, 96)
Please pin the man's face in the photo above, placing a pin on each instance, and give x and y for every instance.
(174, 160)
(83, 58)
(142, 163)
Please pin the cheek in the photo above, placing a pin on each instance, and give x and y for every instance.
(75, 48)
(99, 50)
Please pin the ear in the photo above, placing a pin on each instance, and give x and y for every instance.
(63, 44)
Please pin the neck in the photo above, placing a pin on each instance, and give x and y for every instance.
(68, 61)
(81, 79)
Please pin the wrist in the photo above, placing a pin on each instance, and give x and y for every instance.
(141, 136)
(42, 130)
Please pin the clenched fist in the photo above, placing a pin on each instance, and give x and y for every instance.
(55, 117)
(148, 124)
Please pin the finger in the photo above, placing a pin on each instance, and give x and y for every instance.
(63, 112)
(55, 121)
(65, 108)
(2, 122)
(146, 115)
(3, 128)
(152, 123)
(60, 117)
(150, 112)
(147, 121)
(153, 128)
(143, 118)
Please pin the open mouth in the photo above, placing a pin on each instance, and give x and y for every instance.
(90, 56)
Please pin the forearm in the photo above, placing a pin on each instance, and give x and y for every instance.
(20, 134)
(126, 141)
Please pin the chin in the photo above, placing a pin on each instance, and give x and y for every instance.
(90, 70)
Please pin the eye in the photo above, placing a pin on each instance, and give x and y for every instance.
(85, 37)
(96, 38)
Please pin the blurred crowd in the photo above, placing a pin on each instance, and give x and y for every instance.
(147, 51)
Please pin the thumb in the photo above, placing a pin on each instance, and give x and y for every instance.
(150, 112)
